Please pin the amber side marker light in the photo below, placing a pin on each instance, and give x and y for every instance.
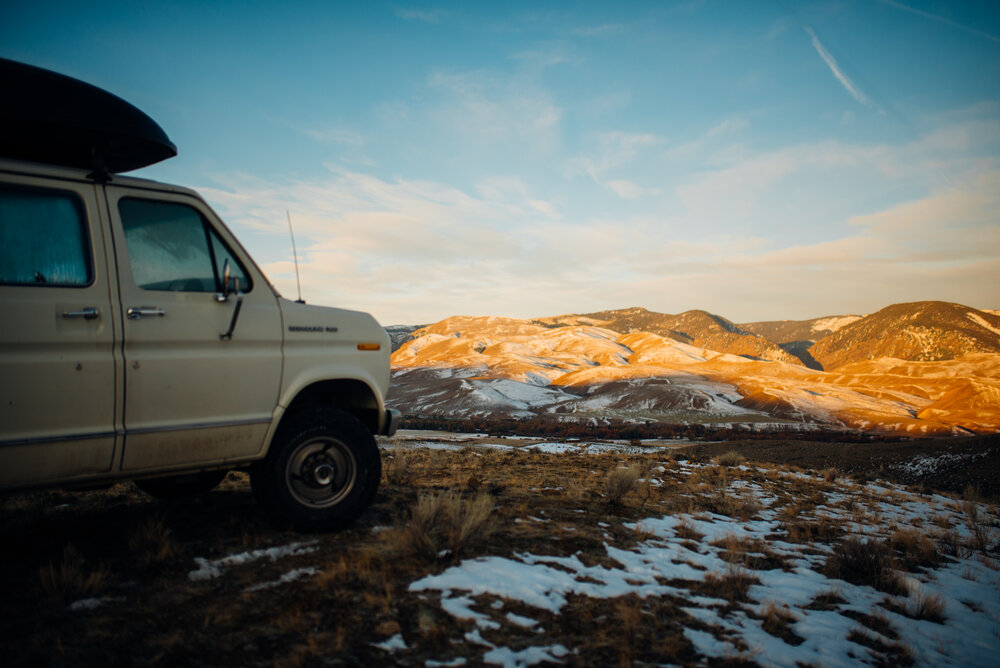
(369, 346)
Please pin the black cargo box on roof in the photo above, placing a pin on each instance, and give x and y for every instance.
(55, 119)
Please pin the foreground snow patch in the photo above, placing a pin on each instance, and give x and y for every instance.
(211, 569)
(665, 564)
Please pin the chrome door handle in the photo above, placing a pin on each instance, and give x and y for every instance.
(88, 313)
(136, 312)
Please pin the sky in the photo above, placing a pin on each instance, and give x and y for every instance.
(761, 161)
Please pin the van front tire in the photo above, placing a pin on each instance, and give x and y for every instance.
(321, 472)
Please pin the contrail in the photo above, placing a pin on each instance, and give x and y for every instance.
(831, 62)
(941, 19)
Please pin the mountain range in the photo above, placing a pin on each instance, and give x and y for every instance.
(916, 368)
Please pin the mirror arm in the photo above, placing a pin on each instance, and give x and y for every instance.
(228, 336)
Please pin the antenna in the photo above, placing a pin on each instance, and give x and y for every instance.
(295, 256)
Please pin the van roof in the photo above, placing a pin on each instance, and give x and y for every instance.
(55, 119)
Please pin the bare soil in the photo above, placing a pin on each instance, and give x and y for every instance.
(942, 464)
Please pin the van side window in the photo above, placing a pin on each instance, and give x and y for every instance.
(43, 238)
(172, 247)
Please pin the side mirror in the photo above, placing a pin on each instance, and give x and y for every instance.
(227, 279)
(224, 297)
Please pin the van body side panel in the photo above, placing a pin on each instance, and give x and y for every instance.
(190, 395)
(58, 380)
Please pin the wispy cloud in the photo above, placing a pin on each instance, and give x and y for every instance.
(831, 62)
(488, 109)
(419, 250)
(545, 56)
(425, 15)
(614, 149)
(596, 31)
(941, 19)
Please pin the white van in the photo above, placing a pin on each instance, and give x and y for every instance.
(140, 341)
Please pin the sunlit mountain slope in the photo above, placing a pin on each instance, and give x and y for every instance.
(489, 366)
(919, 331)
(698, 328)
(786, 331)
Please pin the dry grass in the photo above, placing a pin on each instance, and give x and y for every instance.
(731, 458)
(740, 506)
(446, 525)
(398, 468)
(980, 533)
(823, 529)
(921, 605)
(828, 599)
(153, 544)
(864, 562)
(732, 585)
(914, 549)
(686, 531)
(777, 620)
(72, 577)
(434, 509)
(621, 482)
(892, 654)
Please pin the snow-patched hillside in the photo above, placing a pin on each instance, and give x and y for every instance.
(468, 366)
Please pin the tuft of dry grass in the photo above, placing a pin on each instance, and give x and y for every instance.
(923, 605)
(930, 607)
(620, 483)
(823, 529)
(828, 599)
(914, 548)
(979, 531)
(398, 468)
(733, 585)
(777, 620)
(740, 506)
(686, 531)
(864, 562)
(731, 458)
(71, 577)
(152, 543)
(445, 525)
(892, 654)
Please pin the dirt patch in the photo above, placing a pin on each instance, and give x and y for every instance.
(949, 464)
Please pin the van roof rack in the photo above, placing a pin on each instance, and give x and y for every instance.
(55, 119)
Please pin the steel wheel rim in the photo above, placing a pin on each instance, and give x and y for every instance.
(321, 472)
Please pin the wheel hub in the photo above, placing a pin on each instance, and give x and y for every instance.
(319, 470)
(324, 474)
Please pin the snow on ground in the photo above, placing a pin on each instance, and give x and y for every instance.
(677, 555)
(930, 464)
(666, 562)
(210, 569)
(834, 323)
(455, 442)
(982, 323)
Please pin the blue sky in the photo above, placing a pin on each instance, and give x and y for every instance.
(757, 160)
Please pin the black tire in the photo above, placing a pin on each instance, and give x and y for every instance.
(177, 486)
(321, 472)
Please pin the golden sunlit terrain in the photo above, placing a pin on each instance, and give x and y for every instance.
(577, 368)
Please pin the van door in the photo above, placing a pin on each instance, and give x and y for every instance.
(58, 383)
(191, 395)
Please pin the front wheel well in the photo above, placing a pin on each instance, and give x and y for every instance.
(349, 395)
